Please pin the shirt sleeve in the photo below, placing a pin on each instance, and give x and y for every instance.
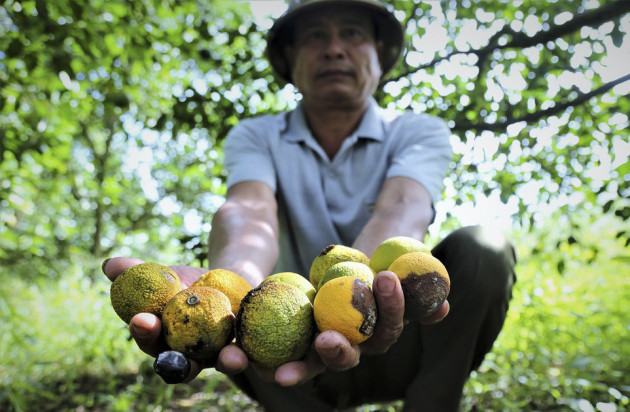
(247, 153)
(421, 151)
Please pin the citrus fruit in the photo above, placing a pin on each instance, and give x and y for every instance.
(425, 283)
(275, 324)
(198, 322)
(356, 269)
(390, 249)
(145, 287)
(231, 284)
(294, 279)
(346, 305)
(330, 255)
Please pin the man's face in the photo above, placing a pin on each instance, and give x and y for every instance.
(335, 58)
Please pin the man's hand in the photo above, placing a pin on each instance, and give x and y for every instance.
(146, 328)
(330, 349)
(333, 351)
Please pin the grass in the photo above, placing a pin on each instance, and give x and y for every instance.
(564, 345)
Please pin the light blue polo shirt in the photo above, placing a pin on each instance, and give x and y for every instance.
(323, 201)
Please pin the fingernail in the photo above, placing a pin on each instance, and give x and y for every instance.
(386, 286)
(104, 263)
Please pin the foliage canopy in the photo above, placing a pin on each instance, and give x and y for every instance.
(112, 114)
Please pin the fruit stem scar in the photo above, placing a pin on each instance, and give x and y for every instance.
(192, 300)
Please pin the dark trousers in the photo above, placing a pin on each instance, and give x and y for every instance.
(429, 364)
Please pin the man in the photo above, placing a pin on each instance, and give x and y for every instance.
(336, 170)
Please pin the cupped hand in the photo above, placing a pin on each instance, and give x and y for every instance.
(331, 350)
(146, 328)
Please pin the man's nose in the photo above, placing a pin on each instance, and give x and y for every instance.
(335, 48)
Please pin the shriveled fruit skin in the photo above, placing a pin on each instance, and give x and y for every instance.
(296, 280)
(390, 249)
(425, 283)
(145, 287)
(356, 269)
(230, 283)
(346, 305)
(330, 255)
(198, 322)
(172, 366)
(275, 324)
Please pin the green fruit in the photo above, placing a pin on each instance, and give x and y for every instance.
(330, 255)
(143, 288)
(198, 322)
(392, 248)
(275, 324)
(355, 269)
(296, 280)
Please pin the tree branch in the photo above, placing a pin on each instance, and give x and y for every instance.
(521, 40)
(557, 108)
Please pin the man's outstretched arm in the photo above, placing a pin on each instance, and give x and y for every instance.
(244, 235)
(403, 208)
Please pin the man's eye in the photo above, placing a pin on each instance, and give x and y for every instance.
(315, 35)
(352, 33)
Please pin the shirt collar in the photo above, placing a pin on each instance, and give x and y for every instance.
(370, 127)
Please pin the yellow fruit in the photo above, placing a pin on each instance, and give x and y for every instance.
(425, 283)
(231, 284)
(356, 269)
(198, 322)
(296, 280)
(392, 248)
(346, 305)
(275, 324)
(143, 288)
(330, 255)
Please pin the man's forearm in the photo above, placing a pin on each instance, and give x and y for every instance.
(390, 224)
(403, 209)
(244, 240)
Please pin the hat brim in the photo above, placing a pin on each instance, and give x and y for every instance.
(388, 30)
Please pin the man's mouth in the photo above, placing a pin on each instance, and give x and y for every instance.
(335, 73)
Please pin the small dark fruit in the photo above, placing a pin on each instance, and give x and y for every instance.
(172, 366)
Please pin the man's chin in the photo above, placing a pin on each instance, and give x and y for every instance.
(338, 100)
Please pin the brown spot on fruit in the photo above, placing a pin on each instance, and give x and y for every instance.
(424, 281)
(326, 250)
(347, 305)
(424, 294)
(364, 302)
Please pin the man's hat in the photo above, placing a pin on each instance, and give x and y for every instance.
(388, 30)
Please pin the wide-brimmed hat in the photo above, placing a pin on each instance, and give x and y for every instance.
(388, 30)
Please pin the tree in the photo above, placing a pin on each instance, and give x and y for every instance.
(112, 114)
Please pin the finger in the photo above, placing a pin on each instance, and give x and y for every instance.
(336, 352)
(195, 369)
(391, 309)
(232, 360)
(265, 374)
(113, 267)
(146, 330)
(438, 315)
(188, 274)
(299, 372)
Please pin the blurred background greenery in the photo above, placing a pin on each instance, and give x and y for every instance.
(112, 116)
